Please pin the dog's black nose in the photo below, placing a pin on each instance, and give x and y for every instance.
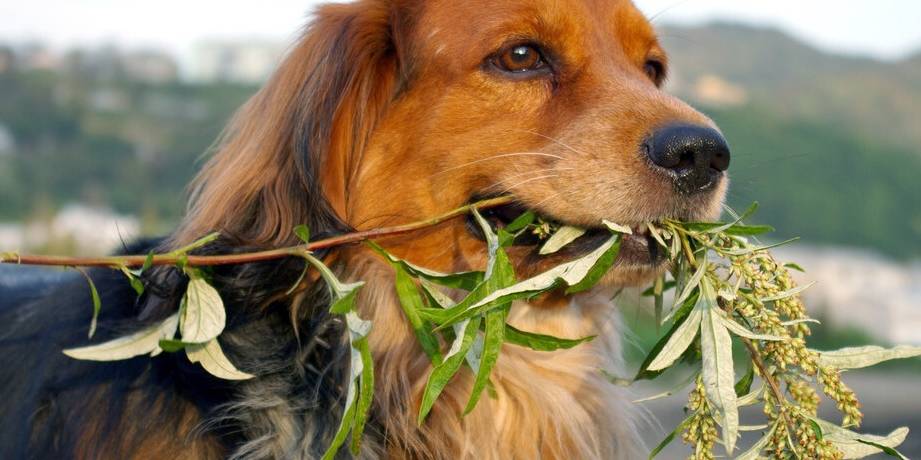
(696, 156)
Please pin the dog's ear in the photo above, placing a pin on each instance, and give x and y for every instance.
(287, 157)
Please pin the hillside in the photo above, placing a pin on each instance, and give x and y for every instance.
(830, 145)
(874, 99)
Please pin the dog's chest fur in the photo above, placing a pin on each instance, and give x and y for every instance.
(546, 405)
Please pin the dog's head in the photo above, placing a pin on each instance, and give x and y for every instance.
(390, 111)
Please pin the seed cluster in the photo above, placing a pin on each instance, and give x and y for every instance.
(701, 428)
(762, 296)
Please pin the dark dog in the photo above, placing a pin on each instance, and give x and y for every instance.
(385, 112)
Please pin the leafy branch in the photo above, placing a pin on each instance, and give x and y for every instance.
(726, 287)
(181, 255)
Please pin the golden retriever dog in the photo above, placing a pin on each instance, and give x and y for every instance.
(388, 112)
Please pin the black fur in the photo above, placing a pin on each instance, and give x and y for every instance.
(49, 400)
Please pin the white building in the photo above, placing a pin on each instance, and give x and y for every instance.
(238, 62)
(861, 289)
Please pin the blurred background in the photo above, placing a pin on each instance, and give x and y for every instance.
(106, 108)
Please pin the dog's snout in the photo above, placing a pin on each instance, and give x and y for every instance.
(695, 156)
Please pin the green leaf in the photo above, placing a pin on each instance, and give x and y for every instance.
(97, 303)
(744, 385)
(817, 430)
(203, 317)
(650, 292)
(521, 222)
(133, 280)
(681, 386)
(718, 371)
(886, 449)
(856, 445)
(499, 274)
(861, 357)
(466, 332)
(345, 425)
(148, 261)
(658, 289)
(172, 345)
(617, 228)
(562, 238)
(680, 315)
(145, 341)
(365, 393)
(668, 439)
(579, 274)
(679, 342)
(793, 266)
(199, 243)
(540, 342)
(212, 359)
(412, 303)
(754, 453)
(740, 330)
(303, 233)
(753, 249)
(788, 293)
(343, 294)
(692, 283)
(467, 281)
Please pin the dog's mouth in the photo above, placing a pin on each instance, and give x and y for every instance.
(637, 250)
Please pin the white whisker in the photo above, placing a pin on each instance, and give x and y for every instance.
(549, 176)
(494, 157)
(556, 141)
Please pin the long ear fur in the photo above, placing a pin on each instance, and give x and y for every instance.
(287, 156)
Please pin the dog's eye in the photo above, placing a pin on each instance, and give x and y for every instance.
(655, 70)
(520, 59)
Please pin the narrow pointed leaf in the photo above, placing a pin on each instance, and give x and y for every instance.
(849, 442)
(679, 342)
(212, 358)
(788, 293)
(97, 303)
(754, 453)
(203, 317)
(443, 373)
(680, 315)
(541, 342)
(303, 233)
(668, 439)
(578, 275)
(718, 371)
(464, 280)
(740, 330)
(145, 341)
(565, 235)
(412, 303)
(861, 357)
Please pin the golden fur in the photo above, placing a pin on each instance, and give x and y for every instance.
(401, 122)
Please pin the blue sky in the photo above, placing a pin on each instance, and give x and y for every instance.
(883, 28)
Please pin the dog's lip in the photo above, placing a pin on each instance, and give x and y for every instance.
(636, 249)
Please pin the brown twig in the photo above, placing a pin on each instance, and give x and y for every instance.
(134, 261)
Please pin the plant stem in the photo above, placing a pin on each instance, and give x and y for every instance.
(772, 384)
(172, 258)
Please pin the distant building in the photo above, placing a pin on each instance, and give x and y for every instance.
(84, 230)
(863, 290)
(7, 142)
(238, 62)
(7, 59)
(150, 66)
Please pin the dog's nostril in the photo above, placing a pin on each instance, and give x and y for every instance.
(696, 155)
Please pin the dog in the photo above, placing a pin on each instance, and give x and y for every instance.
(387, 112)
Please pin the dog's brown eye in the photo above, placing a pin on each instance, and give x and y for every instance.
(655, 70)
(520, 59)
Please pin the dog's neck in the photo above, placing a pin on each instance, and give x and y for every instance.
(555, 405)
